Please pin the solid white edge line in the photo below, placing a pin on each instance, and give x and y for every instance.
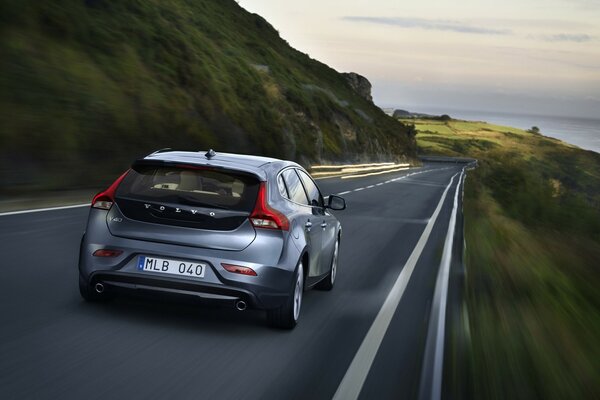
(43, 209)
(354, 379)
(441, 297)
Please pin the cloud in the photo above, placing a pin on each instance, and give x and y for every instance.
(535, 23)
(590, 5)
(567, 37)
(430, 24)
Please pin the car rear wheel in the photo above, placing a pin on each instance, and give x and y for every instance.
(286, 316)
(89, 293)
(329, 281)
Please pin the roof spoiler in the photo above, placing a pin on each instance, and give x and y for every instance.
(160, 151)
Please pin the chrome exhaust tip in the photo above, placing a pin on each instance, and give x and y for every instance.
(99, 288)
(241, 305)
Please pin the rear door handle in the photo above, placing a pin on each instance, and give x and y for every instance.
(308, 224)
(324, 225)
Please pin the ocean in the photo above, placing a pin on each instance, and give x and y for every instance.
(582, 132)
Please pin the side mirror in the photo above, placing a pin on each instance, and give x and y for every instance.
(336, 203)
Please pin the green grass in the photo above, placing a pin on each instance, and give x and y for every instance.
(533, 307)
(89, 85)
(532, 231)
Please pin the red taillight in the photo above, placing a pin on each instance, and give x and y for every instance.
(104, 200)
(102, 203)
(238, 269)
(264, 216)
(107, 253)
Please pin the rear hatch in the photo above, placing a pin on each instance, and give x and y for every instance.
(185, 204)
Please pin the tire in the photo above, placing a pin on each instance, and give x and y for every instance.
(89, 294)
(286, 316)
(329, 281)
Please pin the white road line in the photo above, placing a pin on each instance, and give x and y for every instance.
(373, 173)
(44, 209)
(352, 383)
(388, 181)
(438, 314)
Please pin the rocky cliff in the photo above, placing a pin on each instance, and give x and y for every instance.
(87, 86)
(360, 84)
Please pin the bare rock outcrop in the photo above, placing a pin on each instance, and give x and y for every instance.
(360, 84)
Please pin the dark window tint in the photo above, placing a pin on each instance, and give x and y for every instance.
(190, 187)
(314, 196)
(294, 186)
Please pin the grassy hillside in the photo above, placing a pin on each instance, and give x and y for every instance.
(532, 231)
(88, 85)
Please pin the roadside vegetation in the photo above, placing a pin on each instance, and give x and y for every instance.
(532, 231)
(86, 86)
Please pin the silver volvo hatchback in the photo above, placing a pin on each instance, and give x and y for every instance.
(232, 229)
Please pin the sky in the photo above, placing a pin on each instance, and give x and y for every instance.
(515, 56)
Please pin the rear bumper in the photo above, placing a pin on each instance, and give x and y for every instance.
(268, 290)
(255, 296)
(271, 256)
(127, 283)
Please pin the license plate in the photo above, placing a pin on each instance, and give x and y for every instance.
(172, 267)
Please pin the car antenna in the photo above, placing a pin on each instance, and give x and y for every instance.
(210, 154)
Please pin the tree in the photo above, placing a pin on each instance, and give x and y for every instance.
(534, 129)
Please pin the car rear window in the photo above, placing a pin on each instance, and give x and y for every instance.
(192, 186)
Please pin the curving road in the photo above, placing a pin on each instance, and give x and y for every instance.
(53, 345)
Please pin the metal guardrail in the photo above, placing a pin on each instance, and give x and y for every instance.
(355, 170)
(445, 159)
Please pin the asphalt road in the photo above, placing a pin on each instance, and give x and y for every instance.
(53, 345)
